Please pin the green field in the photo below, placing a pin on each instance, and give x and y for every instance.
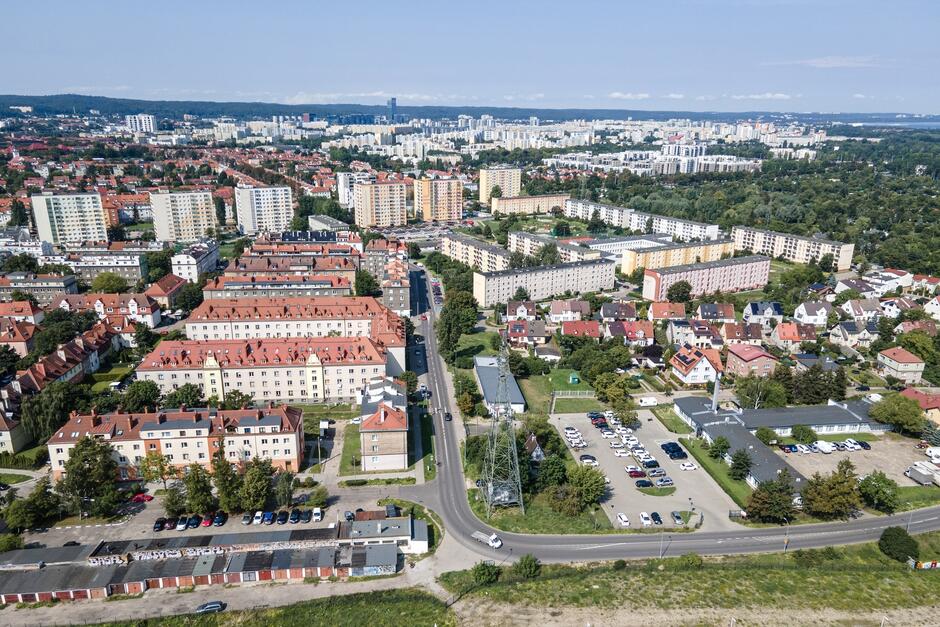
(350, 451)
(103, 378)
(578, 405)
(917, 496)
(410, 606)
(670, 420)
(539, 517)
(739, 491)
(474, 344)
(11, 477)
(313, 414)
(538, 392)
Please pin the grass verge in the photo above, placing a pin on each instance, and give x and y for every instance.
(358, 483)
(11, 478)
(670, 420)
(739, 491)
(657, 491)
(917, 496)
(539, 517)
(427, 446)
(419, 512)
(578, 405)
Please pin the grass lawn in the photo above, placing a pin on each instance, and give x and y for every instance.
(654, 382)
(139, 226)
(355, 483)
(537, 391)
(866, 377)
(410, 606)
(670, 420)
(30, 456)
(435, 524)
(427, 446)
(103, 378)
(540, 518)
(11, 477)
(474, 344)
(917, 496)
(350, 452)
(559, 379)
(577, 405)
(87, 520)
(658, 491)
(739, 491)
(313, 414)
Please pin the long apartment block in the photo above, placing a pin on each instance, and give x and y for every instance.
(474, 252)
(726, 275)
(627, 218)
(530, 244)
(276, 286)
(528, 205)
(795, 248)
(677, 254)
(544, 282)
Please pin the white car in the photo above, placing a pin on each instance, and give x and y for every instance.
(631, 468)
(688, 466)
(608, 414)
(616, 445)
(621, 431)
(591, 462)
(608, 434)
(619, 452)
(645, 519)
(571, 431)
(623, 520)
(852, 445)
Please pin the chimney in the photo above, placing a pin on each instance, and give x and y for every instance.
(715, 394)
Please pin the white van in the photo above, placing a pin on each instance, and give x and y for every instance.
(647, 401)
(933, 451)
(824, 447)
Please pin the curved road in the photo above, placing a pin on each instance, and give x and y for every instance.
(447, 495)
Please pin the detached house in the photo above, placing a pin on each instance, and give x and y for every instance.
(863, 309)
(666, 311)
(521, 310)
(166, 290)
(568, 310)
(582, 328)
(716, 312)
(633, 332)
(744, 360)
(933, 308)
(18, 335)
(615, 312)
(789, 335)
(525, 333)
(864, 288)
(695, 333)
(765, 313)
(894, 307)
(854, 334)
(901, 364)
(696, 366)
(924, 326)
(815, 313)
(383, 439)
(739, 333)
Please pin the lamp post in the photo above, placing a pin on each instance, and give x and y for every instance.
(786, 538)
(909, 519)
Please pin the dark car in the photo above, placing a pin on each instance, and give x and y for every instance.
(657, 519)
(294, 517)
(651, 464)
(211, 607)
(4, 486)
(72, 543)
(447, 416)
(594, 414)
(862, 388)
(159, 524)
(246, 518)
(306, 515)
(182, 523)
(194, 521)
(169, 524)
(220, 518)
(267, 518)
(865, 445)
(643, 483)
(282, 517)
(349, 516)
(678, 455)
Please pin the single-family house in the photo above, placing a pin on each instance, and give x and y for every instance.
(166, 290)
(716, 312)
(568, 310)
(533, 449)
(18, 335)
(582, 328)
(901, 364)
(815, 313)
(742, 333)
(633, 332)
(695, 333)
(613, 312)
(696, 366)
(894, 307)
(933, 308)
(930, 403)
(924, 326)
(548, 353)
(525, 333)
(805, 361)
(521, 310)
(765, 313)
(862, 309)
(744, 360)
(864, 288)
(925, 283)
(666, 311)
(789, 335)
(854, 334)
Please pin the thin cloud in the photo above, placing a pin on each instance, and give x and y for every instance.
(704, 98)
(515, 97)
(860, 96)
(674, 96)
(619, 95)
(764, 96)
(835, 62)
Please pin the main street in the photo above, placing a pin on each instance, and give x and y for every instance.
(447, 495)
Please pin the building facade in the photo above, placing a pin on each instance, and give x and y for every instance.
(196, 260)
(543, 282)
(62, 218)
(792, 247)
(380, 204)
(131, 268)
(625, 218)
(141, 123)
(44, 287)
(508, 180)
(183, 216)
(439, 200)
(727, 275)
(529, 244)
(474, 252)
(528, 205)
(670, 255)
(276, 286)
(263, 209)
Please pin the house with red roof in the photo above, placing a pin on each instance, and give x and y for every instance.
(696, 366)
(383, 439)
(930, 403)
(18, 335)
(745, 359)
(666, 311)
(789, 335)
(901, 364)
(582, 328)
(166, 290)
(633, 332)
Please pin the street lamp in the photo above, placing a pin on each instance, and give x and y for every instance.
(909, 518)
(786, 538)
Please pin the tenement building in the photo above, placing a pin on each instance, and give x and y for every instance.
(543, 282)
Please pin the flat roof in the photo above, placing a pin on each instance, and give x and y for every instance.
(834, 413)
(557, 266)
(488, 374)
(733, 261)
(806, 238)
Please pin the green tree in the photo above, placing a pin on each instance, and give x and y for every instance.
(319, 497)
(235, 399)
(145, 339)
(8, 359)
(18, 214)
(590, 484)
(42, 414)
(410, 379)
(679, 292)
(198, 486)
(89, 484)
(366, 285)
(565, 499)
(174, 501)
(219, 211)
(284, 489)
(141, 396)
(772, 501)
(19, 515)
(756, 392)
(156, 467)
(900, 412)
(740, 464)
(496, 192)
(595, 224)
(521, 293)
(833, 496)
(765, 435)
(256, 485)
(552, 471)
(22, 262)
(109, 283)
(898, 544)
(227, 481)
(10, 542)
(528, 567)
(485, 573)
(880, 491)
(19, 296)
(186, 395)
(803, 434)
(719, 447)
(458, 316)
(190, 296)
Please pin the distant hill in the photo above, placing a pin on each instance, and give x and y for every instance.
(67, 103)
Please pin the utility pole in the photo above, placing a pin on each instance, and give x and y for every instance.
(786, 538)
(909, 519)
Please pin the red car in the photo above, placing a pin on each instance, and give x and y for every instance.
(636, 474)
(141, 498)
(207, 519)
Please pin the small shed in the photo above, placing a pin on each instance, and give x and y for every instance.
(574, 379)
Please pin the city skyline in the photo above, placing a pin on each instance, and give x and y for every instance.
(691, 56)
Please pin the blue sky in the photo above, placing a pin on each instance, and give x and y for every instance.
(699, 55)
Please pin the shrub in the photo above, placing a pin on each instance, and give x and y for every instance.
(485, 573)
(898, 544)
(352, 483)
(528, 567)
(619, 564)
(690, 561)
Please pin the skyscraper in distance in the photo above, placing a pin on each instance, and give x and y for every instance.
(392, 109)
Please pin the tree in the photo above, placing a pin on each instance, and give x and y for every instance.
(22, 262)
(156, 466)
(833, 496)
(190, 296)
(879, 491)
(719, 447)
(42, 414)
(198, 489)
(772, 501)
(765, 435)
(109, 283)
(756, 392)
(562, 229)
(227, 481)
(116, 233)
(140, 396)
(8, 359)
(552, 471)
(898, 544)
(235, 399)
(20, 296)
(901, 412)
(284, 489)
(803, 434)
(219, 211)
(366, 285)
(319, 497)
(740, 464)
(485, 573)
(186, 395)
(410, 379)
(10, 542)
(827, 263)
(528, 567)
(19, 515)
(174, 501)
(521, 293)
(90, 478)
(458, 316)
(595, 224)
(145, 339)
(496, 192)
(256, 484)
(18, 214)
(565, 499)
(679, 292)
(590, 484)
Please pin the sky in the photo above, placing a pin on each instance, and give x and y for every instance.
(690, 55)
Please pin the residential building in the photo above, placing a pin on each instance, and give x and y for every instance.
(318, 222)
(679, 254)
(925, 283)
(567, 310)
(742, 333)
(727, 275)
(474, 252)
(531, 244)
(889, 280)
(135, 307)
(789, 335)
(528, 205)
(380, 204)
(486, 373)
(716, 312)
(930, 403)
(815, 313)
(806, 361)
(345, 186)
(22, 311)
(166, 290)
(125, 248)
(633, 332)
(521, 310)
(864, 288)
(863, 309)
(525, 333)
(665, 310)
(617, 312)
(508, 180)
(276, 286)
(263, 209)
(18, 335)
(744, 360)
(617, 245)
(791, 247)
(380, 252)
(13, 436)
(305, 370)
(131, 268)
(396, 288)
(141, 123)
(193, 261)
(187, 436)
(296, 265)
(183, 216)
(901, 364)
(62, 218)
(765, 313)
(854, 334)
(439, 200)
(924, 326)
(582, 328)
(933, 308)
(894, 307)
(625, 218)
(383, 439)
(696, 366)
(694, 333)
(44, 287)
(543, 282)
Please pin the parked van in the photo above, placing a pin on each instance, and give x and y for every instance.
(933, 451)
(647, 401)
(824, 447)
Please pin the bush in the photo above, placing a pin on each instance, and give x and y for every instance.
(485, 574)
(898, 544)
(619, 564)
(353, 483)
(528, 567)
(464, 362)
(690, 561)
(803, 434)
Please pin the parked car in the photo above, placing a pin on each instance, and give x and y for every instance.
(169, 524)
(664, 482)
(219, 519)
(623, 520)
(246, 518)
(657, 519)
(636, 474)
(140, 497)
(645, 519)
(865, 445)
(643, 483)
(862, 388)
(282, 517)
(182, 523)
(294, 517)
(677, 518)
(619, 452)
(159, 524)
(688, 466)
(194, 521)
(258, 518)
(349, 516)
(650, 463)
(657, 472)
(317, 515)
(588, 460)
(267, 518)
(207, 519)
(211, 607)
(306, 515)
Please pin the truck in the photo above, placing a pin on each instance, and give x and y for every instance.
(920, 475)
(486, 538)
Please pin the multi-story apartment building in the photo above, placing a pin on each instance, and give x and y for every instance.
(439, 200)
(626, 218)
(62, 218)
(131, 268)
(380, 251)
(299, 369)
(263, 209)
(129, 247)
(141, 123)
(396, 288)
(276, 286)
(474, 252)
(508, 180)
(262, 318)
(183, 216)
(44, 287)
(527, 205)
(544, 282)
(196, 260)
(791, 247)
(380, 204)
(187, 436)
(134, 307)
(299, 265)
(679, 254)
(726, 275)
(529, 244)
(346, 183)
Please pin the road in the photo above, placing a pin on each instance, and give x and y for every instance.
(447, 495)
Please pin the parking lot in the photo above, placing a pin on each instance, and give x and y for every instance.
(890, 453)
(694, 488)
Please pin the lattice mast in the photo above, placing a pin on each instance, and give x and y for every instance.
(502, 485)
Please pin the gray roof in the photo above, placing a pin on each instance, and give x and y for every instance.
(381, 555)
(478, 243)
(827, 363)
(488, 374)
(385, 528)
(835, 413)
(50, 555)
(765, 464)
(757, 308)
(734, 261)
(179, 424)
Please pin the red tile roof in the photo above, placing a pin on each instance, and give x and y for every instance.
(581, 328)
(385, 418)
(901, 355)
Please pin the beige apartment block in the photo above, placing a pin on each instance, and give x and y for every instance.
(508, 180)
(670, 255)
(529, 205)
(791, 247)
(475, 253)
(380, 204)
(439, 200)
(183, 216)
(727, 275)
(544, 282)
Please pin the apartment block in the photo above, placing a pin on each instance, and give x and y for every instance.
(791, 247)
(380, 204)
(196, 260)
(131, 268)
(276, 286)
(44, 287)
(299, 265)
(141, 123)
(439, 200)
(726, 275)
(528, 205)
(617, 245)
(396, 288)
(187, 436)
(263, 209)
(529, 244)
(474, 252)
(304, 370)
(62, 218)
(543, 282)
(134, 307)
(625, 218)
(508, 180)
(383, 439)
(345, 186)
(183, 216)
(669, 255)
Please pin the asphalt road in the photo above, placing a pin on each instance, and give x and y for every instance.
(447, 495)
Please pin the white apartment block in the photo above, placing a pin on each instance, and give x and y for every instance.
(726, 275)
(544, 282)
(141, 123)
(263, 209)
(183, 216)
(508, 180)
(475, 253)
(529, 244)
(70, 218)
(439, 200)
(198, 259)
(380, 204)
(345, 185)
(791, 247)
(528, 205)
(627, 218)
